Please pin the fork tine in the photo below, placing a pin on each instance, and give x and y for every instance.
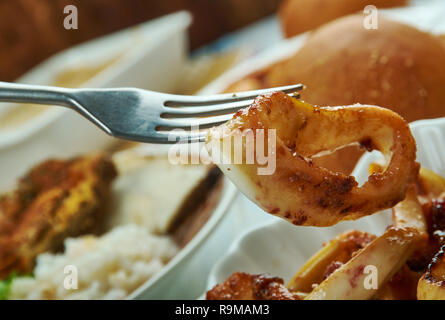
(199, 111)
(178, 100)
(201, 123)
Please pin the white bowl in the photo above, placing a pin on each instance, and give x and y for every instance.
(151, 56)
(280, 248)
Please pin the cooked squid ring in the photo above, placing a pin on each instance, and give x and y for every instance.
(299, 191)
(431, 285)
(339, 250)
(387, 254)
(409, 214)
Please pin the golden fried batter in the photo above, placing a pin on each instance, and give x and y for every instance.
(55, 200)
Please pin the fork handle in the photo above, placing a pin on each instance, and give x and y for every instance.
(25, 93)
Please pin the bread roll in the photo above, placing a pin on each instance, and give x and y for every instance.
(298, 16)
(395, 66)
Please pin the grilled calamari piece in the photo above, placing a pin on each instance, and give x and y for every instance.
(346, 257)
(299, 191)
(402, 286)
(334, 254)
(243, 286)
(429, 220)
(422, 210)
(337, 271)
(55, 200)
(386, 255)
(432, 284)
(409, 214)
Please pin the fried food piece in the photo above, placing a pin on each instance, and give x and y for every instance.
(431, 185)
(429, 221)
(432, 284)
(341, 268)
(333, 255)
(409, 214)
(431, 257)
(243, 286)
(55, 200)
(402, 286)
(387, 254)
(298, 190)
(424, 210)
(396, 66)
(297, 16)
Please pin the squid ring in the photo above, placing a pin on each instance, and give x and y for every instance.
(296, 189)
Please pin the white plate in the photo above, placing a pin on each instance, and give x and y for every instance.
(280, 248)
(184, 277)
(151, 56)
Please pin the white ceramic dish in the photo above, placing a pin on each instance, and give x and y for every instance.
(150, 56)
(280, 248)
(182, 277)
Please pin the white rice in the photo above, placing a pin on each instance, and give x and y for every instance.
(108, 267)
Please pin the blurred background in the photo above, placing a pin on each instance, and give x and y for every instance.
(31, 30)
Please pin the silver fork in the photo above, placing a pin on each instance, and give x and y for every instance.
(141, 115)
